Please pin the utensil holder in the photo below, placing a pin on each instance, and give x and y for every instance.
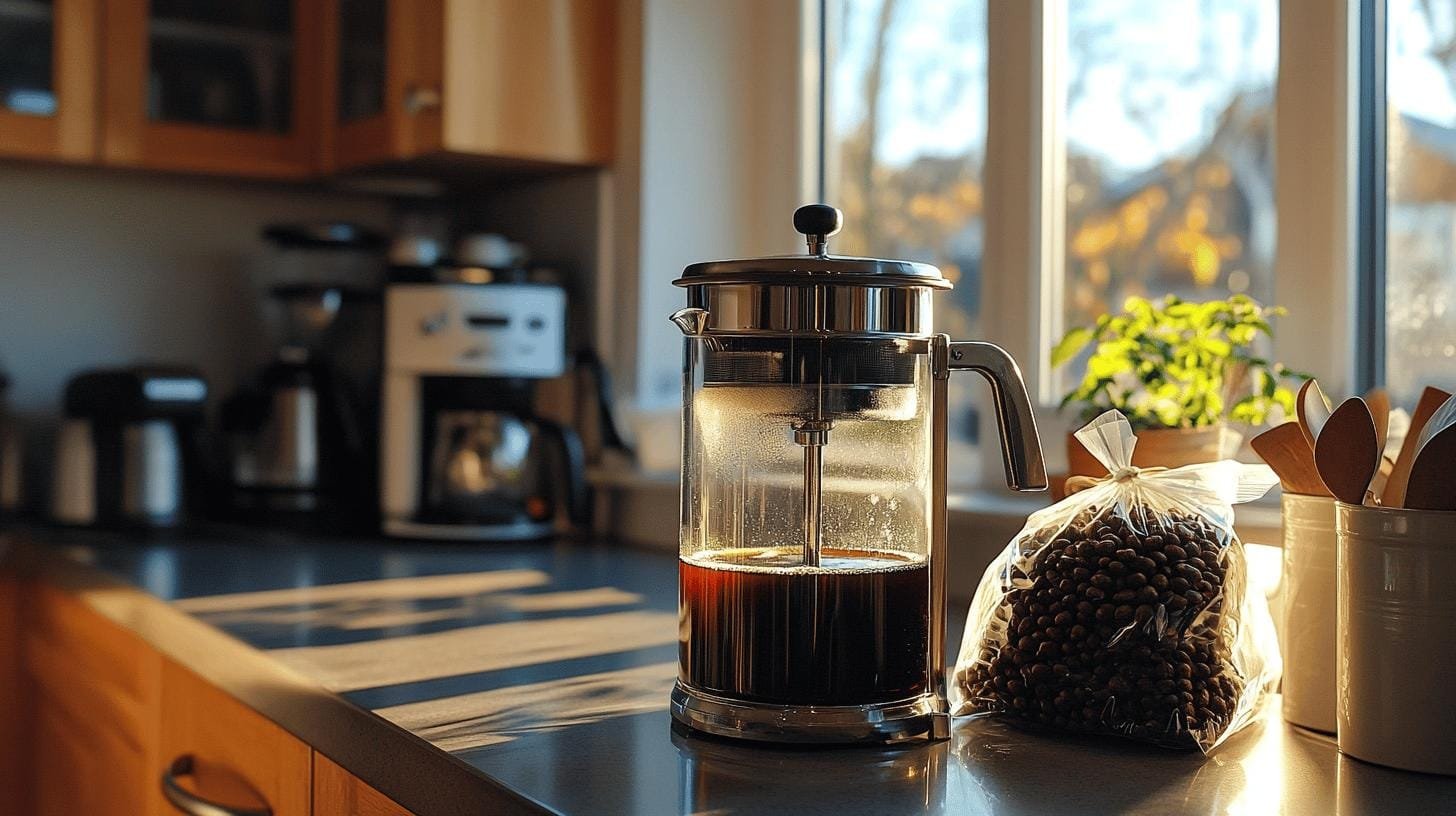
(1308, 587)
(1396, 647)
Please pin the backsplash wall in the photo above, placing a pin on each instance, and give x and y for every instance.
(101, 268)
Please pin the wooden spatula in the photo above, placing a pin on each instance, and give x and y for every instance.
(1378, 401)
(1285, 449)
(1381, 477)
(1432, 484)
(1347, 451)
(1313, 409)
(1394, 493)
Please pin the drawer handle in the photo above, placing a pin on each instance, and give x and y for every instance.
(190, 803)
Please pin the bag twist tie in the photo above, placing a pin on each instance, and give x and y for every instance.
(1077, 484)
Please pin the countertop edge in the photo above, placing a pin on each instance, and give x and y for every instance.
(402, 766)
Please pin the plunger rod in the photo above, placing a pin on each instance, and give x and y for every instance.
(812, 435)
(813, 505)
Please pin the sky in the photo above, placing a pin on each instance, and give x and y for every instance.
(1416, 84)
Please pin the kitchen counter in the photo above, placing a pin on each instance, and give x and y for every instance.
(528, 678)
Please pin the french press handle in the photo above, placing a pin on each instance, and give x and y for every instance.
(1020, 445)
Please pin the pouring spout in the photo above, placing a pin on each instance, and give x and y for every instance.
(692, 321)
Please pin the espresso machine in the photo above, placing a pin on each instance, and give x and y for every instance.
(464, 454)
(812, 594)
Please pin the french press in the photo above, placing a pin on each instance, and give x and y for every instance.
(812, 549)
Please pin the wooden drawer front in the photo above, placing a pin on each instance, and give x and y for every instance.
(91, 691)
(239, 758)
(336, 792)
(82, 644)
(81, 766)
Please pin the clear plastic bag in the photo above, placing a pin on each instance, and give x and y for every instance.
(1124, 609)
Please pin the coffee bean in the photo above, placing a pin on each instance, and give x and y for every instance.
(1116, 628)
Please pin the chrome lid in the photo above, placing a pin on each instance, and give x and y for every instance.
(817, 223)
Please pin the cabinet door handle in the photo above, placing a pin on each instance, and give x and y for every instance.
(190, 803)
(418, 99)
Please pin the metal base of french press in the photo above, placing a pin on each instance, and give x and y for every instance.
(917, 718)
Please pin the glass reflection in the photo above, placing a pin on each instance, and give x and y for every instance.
(719, 776)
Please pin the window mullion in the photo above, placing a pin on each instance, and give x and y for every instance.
(1023, 186)
(1315, 177)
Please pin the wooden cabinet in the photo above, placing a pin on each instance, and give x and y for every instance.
(299, 88)
(336, 792)
(217, 750)
(382, 81)
(90, 692)
(95, 721)
(227, 88)
(12, 707)
(100, 716)
(48, 76)
(515, 80)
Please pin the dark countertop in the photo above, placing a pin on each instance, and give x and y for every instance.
(492, 679)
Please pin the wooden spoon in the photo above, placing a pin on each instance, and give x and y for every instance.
(1313, 408)
(1347, 450)
(1394, 493)
(1432, 484)
(1285, 449)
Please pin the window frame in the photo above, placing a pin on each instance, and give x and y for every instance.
(1372, 163)
(1023, 183)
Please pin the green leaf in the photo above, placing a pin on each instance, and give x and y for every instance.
(1070, 346)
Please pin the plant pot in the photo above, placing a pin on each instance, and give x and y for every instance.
(1162, 447)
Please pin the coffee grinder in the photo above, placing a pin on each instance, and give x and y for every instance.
(813, 528)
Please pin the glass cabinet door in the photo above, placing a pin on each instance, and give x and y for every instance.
(27, 44)
(363, 26)
(387, 65)
(221, 63)
(48, 67)
(213, 86)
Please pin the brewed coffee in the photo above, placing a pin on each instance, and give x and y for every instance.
(755, 624)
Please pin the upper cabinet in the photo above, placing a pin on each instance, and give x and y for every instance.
(300, 88)
(48, 74)
(215, 86)
(528, 81)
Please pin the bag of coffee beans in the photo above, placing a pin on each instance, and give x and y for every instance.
(1124, 609)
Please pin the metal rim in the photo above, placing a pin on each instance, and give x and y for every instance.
(923, 717)
(809, 270)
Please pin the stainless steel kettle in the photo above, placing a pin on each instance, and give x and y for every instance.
(127, 446)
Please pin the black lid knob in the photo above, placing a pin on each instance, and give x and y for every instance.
(817, 222)
(818, 219)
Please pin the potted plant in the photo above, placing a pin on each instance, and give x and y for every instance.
(1182, 373)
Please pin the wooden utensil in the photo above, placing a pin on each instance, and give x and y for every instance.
(1313, 408)
(1378, 401)
(1394, 494)
(1432, 484)
(1347, 450)
(1285, 449)
(1381, 477)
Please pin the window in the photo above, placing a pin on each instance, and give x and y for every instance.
(1420, 209)
(1168, 124)
(1164, 112)
(904, 144)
